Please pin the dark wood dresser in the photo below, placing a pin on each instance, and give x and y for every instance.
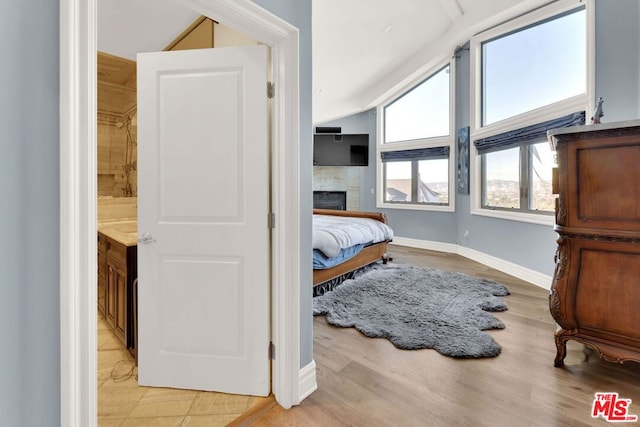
(595, 294)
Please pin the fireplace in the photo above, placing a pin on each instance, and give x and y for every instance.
(330, 200)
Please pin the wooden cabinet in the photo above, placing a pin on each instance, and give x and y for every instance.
(595, 292)
(102, 274)
(120, 266)
(119, 277)
(110, 307)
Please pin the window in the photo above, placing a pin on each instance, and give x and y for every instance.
(519, 179)
(501, 178)
(531, 75)
(516, 167)
(418, 176)
(414, 161)
(423, 112)
(542, 64)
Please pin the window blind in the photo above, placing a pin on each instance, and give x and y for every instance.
(415, 154)
(527, 134)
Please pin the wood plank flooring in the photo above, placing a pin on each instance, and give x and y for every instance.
(368, 382)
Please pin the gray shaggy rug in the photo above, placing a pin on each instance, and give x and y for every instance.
(419, 308)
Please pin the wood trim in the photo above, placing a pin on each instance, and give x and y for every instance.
(366, 256)
(379, 216)
(118, 86)
(116, 70)
(108, 56)
(186, 32)
(109, 117)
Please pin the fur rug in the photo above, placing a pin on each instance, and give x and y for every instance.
(419, 308)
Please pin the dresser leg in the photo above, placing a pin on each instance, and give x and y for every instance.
(561, 351)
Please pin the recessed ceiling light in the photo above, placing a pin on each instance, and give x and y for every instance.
(388, 28)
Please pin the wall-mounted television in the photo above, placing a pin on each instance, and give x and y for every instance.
(338, 149)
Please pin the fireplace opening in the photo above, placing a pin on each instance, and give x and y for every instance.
(336, 200)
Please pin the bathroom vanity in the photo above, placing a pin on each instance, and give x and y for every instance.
(117, 271)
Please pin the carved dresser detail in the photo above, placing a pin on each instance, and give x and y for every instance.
(595, 294)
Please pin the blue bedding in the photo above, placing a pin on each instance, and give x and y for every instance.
(321, 261)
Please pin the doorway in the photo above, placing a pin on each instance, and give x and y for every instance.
(78, 195)
(180, 352)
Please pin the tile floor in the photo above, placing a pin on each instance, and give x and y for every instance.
(123, 403)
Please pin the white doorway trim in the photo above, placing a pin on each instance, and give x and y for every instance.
(78, 195)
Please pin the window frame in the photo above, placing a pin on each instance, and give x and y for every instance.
(431, 142)
(415, 176)
(525, 183)
(581, 102)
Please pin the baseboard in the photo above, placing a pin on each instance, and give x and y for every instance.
(426, 244)
(508, 267)
(307, 380)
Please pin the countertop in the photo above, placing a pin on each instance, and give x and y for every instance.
(124, 231)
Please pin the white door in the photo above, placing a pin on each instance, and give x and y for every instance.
(204, 241)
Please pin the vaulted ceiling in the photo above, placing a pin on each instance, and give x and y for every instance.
(363, 50)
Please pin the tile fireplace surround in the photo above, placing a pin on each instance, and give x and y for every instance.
(339, 179)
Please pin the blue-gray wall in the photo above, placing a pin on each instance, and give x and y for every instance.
(29, 200)
(439, 227)
(528, 245)
(29, 193)
(29, 205)
(618, 58)
(364, 122)
(525, 244)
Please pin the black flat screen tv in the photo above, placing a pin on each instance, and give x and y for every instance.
(338, 149)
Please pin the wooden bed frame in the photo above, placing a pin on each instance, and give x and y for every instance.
(371, 253)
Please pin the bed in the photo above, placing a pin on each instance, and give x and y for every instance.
(359, 251)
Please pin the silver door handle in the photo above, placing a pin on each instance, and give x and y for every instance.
(146, 238)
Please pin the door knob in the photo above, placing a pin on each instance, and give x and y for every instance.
(146, 238)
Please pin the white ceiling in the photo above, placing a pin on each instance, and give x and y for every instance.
(126, 27)
(363, 50)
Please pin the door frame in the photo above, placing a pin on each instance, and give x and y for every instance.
(78, 198)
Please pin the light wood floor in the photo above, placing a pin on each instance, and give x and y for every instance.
(368, 382)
